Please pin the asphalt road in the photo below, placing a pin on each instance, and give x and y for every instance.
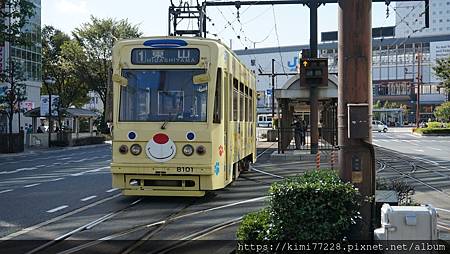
(39, 186)
(36, 212)
(436, 148)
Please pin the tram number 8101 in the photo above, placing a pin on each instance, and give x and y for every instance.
(185, 169)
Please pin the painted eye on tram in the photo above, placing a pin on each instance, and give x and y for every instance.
(188, 150)
(136, 149)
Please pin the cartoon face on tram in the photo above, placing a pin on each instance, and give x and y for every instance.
(183, 116)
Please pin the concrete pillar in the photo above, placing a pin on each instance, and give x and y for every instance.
(91, 124)
(77, 127)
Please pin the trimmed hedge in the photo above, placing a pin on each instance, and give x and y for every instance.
(254, 226)
(314, 206)
(432, 130)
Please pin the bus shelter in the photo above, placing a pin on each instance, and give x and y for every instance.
(293, 101)
(71, 118)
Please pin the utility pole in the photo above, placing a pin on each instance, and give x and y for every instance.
(419, 84)
(273, 88)
(356, 157)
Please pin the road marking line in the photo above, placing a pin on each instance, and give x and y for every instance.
(4, 191)
(57, 209)
(419, 150)
(88, 198)
(31, 185)
(40, 166)
(96, 170)
(437, 149)
(57, 179)
(42, 224)
(78, 174)
(111, 190)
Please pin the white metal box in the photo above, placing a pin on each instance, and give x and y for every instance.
(407, 223)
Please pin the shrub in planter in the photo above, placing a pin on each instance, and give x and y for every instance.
(314, 206)
(253, 226)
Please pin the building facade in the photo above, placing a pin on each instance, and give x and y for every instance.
(30, 59)
(395, 67)
(410, 18)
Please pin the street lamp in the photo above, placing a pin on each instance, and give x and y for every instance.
(49, 81)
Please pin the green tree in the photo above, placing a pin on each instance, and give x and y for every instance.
(377, 105)
(58, 52)
(14, 15)
(442, 71)
(97, 38)
(442, 112)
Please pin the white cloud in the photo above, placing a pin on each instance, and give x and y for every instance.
(72, 6)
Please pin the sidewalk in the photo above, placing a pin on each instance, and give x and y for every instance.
(37, 151)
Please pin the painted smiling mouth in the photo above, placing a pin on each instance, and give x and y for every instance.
(161, 158)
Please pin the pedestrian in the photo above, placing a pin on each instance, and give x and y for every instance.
(298, 132)
(41, 129)
(304, 128)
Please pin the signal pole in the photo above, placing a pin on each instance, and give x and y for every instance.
(419, 84)
(313, 90)
(273, 89)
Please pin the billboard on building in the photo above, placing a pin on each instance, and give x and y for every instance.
(438, 50)
(27, 105)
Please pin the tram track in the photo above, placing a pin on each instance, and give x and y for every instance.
(411, 168)
(397, 164)
(152, 227)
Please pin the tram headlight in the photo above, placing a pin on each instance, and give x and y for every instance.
(201, 150)
(136, 149)
(123, 149)
(188, 150)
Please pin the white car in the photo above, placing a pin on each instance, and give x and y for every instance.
(379, 126)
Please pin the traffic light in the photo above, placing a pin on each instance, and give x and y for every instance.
(314, 72)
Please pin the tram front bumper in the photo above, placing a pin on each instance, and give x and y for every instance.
(147, 181)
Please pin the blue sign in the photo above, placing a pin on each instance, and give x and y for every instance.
(217, 168)
(269, 92)
(175, 56)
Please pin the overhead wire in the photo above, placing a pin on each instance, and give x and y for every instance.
(278, 39)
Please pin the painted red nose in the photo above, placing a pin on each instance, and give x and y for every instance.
(161, 138)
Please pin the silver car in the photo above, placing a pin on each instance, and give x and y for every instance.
(379, 126)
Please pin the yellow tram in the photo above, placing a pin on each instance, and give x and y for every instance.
(184, 116)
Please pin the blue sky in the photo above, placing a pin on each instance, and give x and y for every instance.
(257, 23)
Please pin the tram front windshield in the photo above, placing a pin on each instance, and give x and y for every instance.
(163, 95)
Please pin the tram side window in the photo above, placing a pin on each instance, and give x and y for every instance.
(235, 99)
(217, 98)
(242, 98)
(247, 106)
(250, 106)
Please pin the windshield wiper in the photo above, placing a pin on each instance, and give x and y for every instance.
(163, 126)
(170, 118)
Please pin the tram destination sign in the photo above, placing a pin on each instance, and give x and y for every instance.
(167, 56)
